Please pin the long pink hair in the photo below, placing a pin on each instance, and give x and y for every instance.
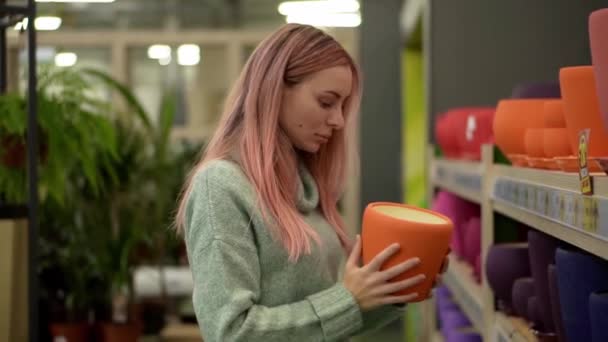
(250, 126)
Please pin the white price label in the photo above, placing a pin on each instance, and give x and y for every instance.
(554, 205)
(569, 213)
(522, 195)
(531, 196)
(542, 201)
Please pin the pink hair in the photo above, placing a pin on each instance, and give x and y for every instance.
(250, 126)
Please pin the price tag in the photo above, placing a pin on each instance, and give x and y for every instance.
(522, 195)
(531, 195)
(542, 201)
(555, 204)
(585, 178)
(590, 214)
(569, 211)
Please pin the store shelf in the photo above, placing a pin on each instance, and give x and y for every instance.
(12, 9)
(551, 202)
(460, 177)
(467, 292)
(512, 329)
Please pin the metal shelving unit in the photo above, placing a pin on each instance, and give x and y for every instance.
(9, 16)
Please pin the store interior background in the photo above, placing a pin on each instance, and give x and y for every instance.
(178, 58)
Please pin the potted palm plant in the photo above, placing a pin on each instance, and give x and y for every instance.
(77, 140)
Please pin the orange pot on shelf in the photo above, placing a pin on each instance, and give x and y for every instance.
(555, 143)
(421, 233)
(581, 109)
(553, 115)
(513, 117)
(598, 31)
(533, 142)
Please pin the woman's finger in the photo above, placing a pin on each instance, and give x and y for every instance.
(393, 287)
(382, 257)
(399, 269)
(355, 253)
(398, 299)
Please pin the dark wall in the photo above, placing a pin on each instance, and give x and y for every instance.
(478, 50)
(380, 124)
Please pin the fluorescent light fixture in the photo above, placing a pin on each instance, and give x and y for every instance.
(159, 51)
(47, 23)
(42, 24)
(165, 61)
(326, 20)
(80, 1)
(65, 59)
(188, 54)
(318, 7)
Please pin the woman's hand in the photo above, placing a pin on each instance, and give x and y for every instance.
(370, 286)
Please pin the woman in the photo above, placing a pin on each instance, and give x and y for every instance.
(266, 243)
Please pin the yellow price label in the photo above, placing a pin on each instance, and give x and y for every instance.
(585, 178)
(590, 214)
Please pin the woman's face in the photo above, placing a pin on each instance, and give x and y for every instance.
(312, 109)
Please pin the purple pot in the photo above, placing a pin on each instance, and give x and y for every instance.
(523, 289)
(598, 311)
(462, 336)
(506, 263)
(536, 90)
(542, 254)
(556, 313)
(453, 320)
(598, 31)
(534, 313)
(578, 275)
(472, 240)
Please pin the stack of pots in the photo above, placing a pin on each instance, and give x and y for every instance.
(537, 130)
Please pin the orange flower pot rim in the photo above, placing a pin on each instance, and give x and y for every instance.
(411, 207)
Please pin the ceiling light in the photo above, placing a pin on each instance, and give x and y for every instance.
(188, 54)
(65, 59)
(318, 7)
(47, 23)
(42, 24)
(159, 51)
(326, 20)
(81, 1)
(165, 61)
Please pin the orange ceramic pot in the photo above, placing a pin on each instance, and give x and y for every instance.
(534, 142)
(598, 31)
(581, 109)
(555, 143)
(421, 233)
(553, 115)
(512, 119)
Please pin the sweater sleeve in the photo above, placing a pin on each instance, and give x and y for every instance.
(226, 273)
(378, 318)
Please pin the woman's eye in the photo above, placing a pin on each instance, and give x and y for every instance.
(325, 104)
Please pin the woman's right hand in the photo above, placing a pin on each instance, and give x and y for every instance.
(370, 286)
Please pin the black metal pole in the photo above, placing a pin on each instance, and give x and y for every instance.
(32, 161)
(3, 57)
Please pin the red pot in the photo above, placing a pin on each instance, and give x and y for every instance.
(477, 131)
(581, 108)
(121, 332)
(444, 133)
(70, 332)
(598, 37)
(534, 142)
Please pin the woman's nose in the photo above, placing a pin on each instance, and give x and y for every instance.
(336, 120)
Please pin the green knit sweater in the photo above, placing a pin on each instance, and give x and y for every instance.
(245, 288)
